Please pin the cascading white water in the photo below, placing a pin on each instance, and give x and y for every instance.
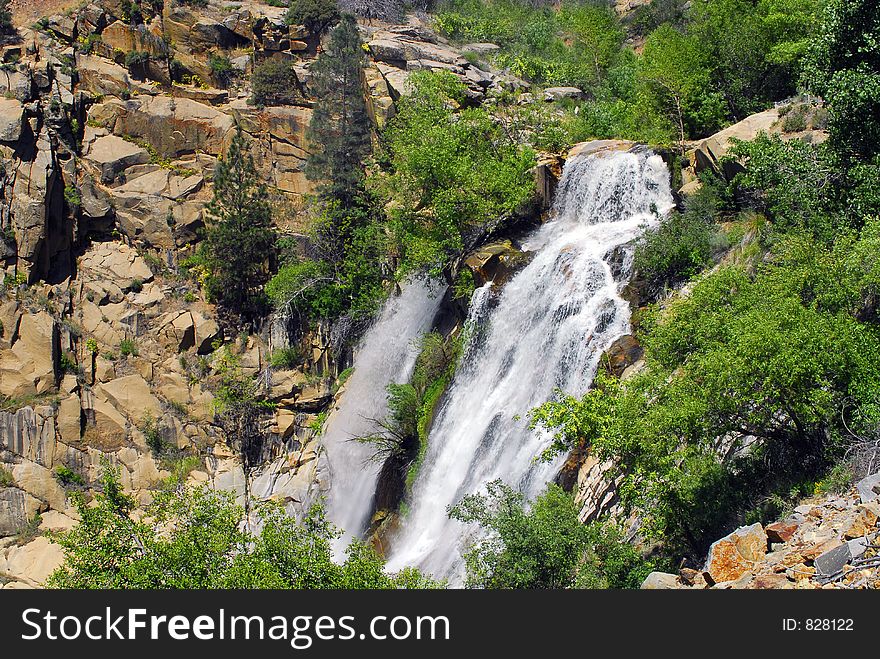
(386, 354)
(545, 329)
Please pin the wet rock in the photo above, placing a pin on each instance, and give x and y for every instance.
(496, 262)
(622, 354)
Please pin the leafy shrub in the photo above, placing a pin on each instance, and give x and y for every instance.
(316, 15)
(221, 68)
(285, 358)
(6, 479)
(68, 477)
(795, 120)
(274, 82)
(128, 348)
(153, 435)
(681, 245)
(68, 363)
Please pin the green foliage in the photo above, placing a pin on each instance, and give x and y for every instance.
(544, 546)
(6, 24)
(153, 435)
(72, 196)
(274, 82)
(221, 68)
(68, 477)
(454, 174)
(340, 122)
(68, 364)
(136, 62)
(128, 348)
(286, 358)
(196, 539)
(239, 236)
(6, 478)
(316, 15)
(843, 67)
(681, 245)
(838, 480)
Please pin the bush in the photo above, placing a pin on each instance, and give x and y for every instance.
(153, 435)
(128, 347)
(544, 546)
(681, 245)
(285, 358)
(6, 479)
(795, 120)
(67, 477)
(221, 68)
(274, 82)
(316, 15)
(136, 61)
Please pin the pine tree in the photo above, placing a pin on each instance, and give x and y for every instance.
(5, 17)
(340, 125)
(239, 235)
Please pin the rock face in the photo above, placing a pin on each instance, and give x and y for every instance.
(496, 262)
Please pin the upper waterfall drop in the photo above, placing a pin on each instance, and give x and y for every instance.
(386, 354)
(544, 330)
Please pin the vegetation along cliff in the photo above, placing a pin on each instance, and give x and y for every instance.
(481, 293)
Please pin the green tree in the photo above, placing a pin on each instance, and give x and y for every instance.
(239, 237)
(340, 123)
(274, 82)
(316, 15)
(544, 545)
(5, 17)
(843, 67)
(675, 74)
(199, 539)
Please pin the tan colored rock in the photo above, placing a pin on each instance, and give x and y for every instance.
(17, 507)
(131, 394)
(34, 562)
(11, 119)
(29, 367)
(102, 77)
(144, 474)
(112, 155)
(206, 332)
(69, 419)
(177, 330)
(53, 520)
(30, 433)
(174, 126)
(661, 581)
(599, 146)
(710, 151)
(41, 483)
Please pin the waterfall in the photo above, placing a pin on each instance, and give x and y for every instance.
(544, 330)
(386, 354)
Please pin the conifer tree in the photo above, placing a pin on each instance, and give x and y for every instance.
(340, 125)
(239, 236)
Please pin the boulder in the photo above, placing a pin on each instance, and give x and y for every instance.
(558, 93)
(206, 332)
(869, 488)
(710, 151)
(112, 155)
(102, 77)
(40, 483)
(496, 262)
(175, 126)
(661, 581)
(116, 262)
(35, 561)
(735, 554)
(176, 330)
(11, 119)
(30, 433)
(781, 531)
(622, 354)
(597, 146)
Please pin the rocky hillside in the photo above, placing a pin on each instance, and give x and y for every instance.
(107, 345)
(826, 542)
